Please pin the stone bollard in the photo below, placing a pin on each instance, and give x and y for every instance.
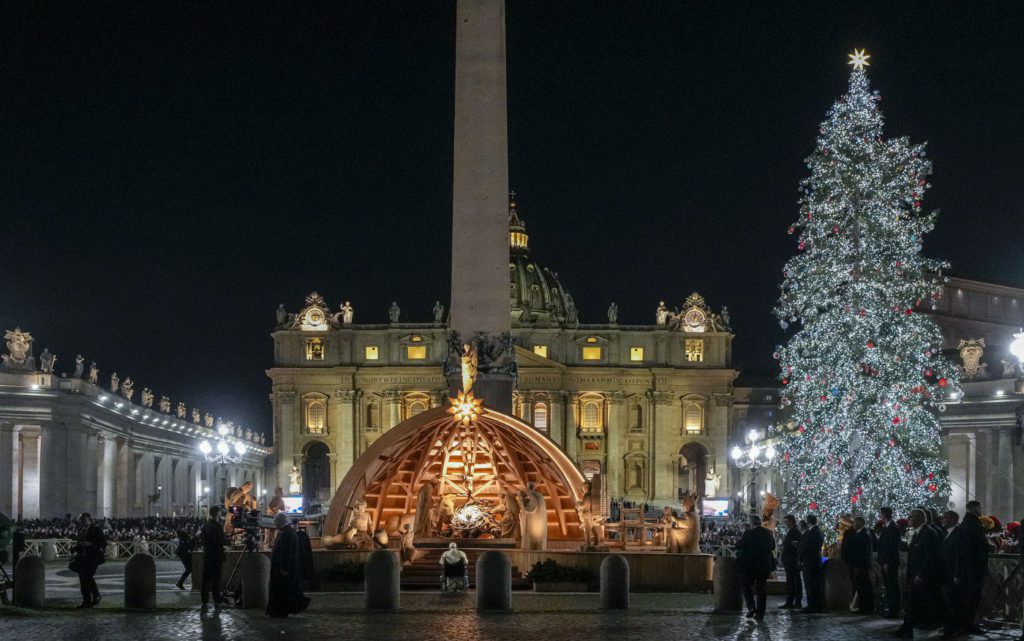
(615, 583)
(140, 582)
(383, 575)
(48, 551)
(30, 582)
(727, 585)
(493, 581)
(255, 571)
(838, 586)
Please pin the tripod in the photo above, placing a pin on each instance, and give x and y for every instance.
(233, 597)
(6, 583)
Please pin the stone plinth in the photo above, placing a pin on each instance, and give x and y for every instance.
(140, 582)
(727, 585)
(838, 586)
(255, 571)
(615, 583)
(382, 580)
(30, 582)
(493, 581)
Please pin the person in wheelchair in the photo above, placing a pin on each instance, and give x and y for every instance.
(455, 566)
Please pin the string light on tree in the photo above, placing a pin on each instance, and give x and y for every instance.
(862, 375)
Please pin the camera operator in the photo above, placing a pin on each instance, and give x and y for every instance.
(89, 554)
(213, 539)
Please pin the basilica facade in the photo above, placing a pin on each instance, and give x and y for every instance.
(645, 411)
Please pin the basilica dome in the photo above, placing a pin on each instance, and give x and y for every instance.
(537, 296)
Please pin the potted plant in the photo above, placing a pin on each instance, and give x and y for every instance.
(344, 577)
(550, 576)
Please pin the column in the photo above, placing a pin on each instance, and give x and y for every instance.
(53, 470)
(8, 477)
(572, 440)
(124, 492)
(615, 433)
(30, 489)
(90, 464)
(1005, 509)
(288, 410)
(343, 428)
(665, 425)
(392, 408)
(556, 418)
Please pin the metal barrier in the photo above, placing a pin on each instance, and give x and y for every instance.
(1003, 598)
(115, 549)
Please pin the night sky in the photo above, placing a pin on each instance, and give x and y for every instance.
(171, 172)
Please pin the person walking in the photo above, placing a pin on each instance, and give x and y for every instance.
(89, 551)
(965, 560)
(755, 560)
(213, 540)
(889, 558)
(285, 592)
(809, 557)
(790, 545)
(184, 553)
(924, 568)
(275, 505)
(856, 552)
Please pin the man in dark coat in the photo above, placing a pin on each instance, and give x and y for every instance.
(89, 555)
(285, 596)
(889, 558)
(794, 588)
(755, 560)
(965, 561)
(856, 552)
(924, 569)
(809, 557)
(212, 535)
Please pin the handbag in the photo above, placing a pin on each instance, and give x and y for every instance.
(76, 564)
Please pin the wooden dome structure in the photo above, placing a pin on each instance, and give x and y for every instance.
(470, 461)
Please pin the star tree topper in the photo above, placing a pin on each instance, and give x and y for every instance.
(859, 60)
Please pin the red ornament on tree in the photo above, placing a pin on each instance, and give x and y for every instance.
(871, 344)
(943, 382)
(813, 505)
(933, 488)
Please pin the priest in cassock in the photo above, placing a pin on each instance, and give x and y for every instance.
(286, 595)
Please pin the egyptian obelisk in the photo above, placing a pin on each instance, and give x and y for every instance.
(480, 250)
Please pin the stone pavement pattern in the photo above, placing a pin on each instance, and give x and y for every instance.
(426, 616)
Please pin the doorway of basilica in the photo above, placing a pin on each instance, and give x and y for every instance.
(316, 474)
(692, 469)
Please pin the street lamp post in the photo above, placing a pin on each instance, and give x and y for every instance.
(223, 452)
(755, 457)
(1017, 349)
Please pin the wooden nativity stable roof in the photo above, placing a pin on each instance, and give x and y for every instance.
(391, 471)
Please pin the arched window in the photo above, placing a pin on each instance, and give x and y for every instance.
(414, 403)
(591, 416)
(693, 417)
(540, 417)
(535, 297)
(417, 407)
(316, 415)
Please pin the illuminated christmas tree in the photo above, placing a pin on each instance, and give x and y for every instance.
(863, 375)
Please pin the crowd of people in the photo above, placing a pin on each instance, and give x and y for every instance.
(946, 565)
(151, 528)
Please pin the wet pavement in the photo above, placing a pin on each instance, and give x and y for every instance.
(423, 616)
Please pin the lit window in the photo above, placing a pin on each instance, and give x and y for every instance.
(591, 419)
(371, 352)
(541, 350)
(636, 354)
(316, 417)
(416, 352)
(694, 350)
(591, 353)
(417, 407)
(693, 417)
(592, 339)
(417, 339)
(540, 417)
(314, 349)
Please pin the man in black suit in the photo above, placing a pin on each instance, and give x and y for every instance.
(89, 555)
(924, 567)
(212, 535)
(809, 557)
(856, 552)
(965, 561)
(889, 558)
(790, 545)
(755, 560)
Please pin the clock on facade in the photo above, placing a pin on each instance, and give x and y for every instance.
(694, 320)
